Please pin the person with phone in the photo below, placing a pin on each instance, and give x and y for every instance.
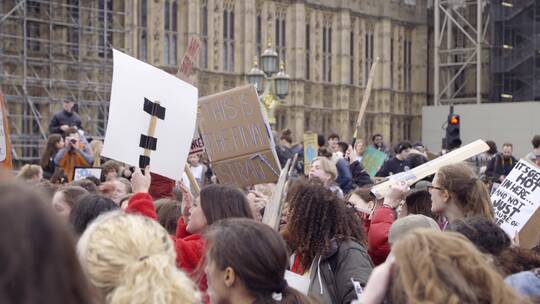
(74, 154)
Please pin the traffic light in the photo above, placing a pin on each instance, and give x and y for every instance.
(453, 139)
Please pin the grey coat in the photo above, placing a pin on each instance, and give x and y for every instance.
(331, 275)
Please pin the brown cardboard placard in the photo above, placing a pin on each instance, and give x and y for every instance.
(234, 131)
(529, 236)
(247, 170)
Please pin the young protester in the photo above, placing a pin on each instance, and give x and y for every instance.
(131, 259)
(96, 146)
(333, 140)
(30, 173)
(360, 177)
(500, 166)
(87, 184)
(168, 212)
(416, 202)
(38, 261)
(436, 267)
(324, 170)
(396, 164)
(382, 219)
(198, 170)
(55, 142)
(534, 155)
(344, 177)
(456, 192)
(215, 202)
(405, 225)
(74, 154)
(87, 209)
(328, 242)
(378, 143)
(109, 170)
(64, 199)
(490, 239)
(246, 263)
(65, 119)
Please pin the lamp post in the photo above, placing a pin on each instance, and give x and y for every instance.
(269, 86)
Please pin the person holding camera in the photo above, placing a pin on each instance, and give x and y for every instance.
(75, 153)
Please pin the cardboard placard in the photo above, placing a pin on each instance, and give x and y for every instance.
(5, 149)
(310, 150)
(237, 138)
(188, 60)
(146, 119)
(372, 160)
(516, 200)
(431, 167)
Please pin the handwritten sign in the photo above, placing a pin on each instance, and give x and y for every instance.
(188, 60)
(197, 144)
(517, 198)
(145, 114)
(237, 138)
(372, 160)
(310, 150)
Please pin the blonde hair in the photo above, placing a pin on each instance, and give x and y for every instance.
(467, 191)
(96, 146)
(131, 259)
(444, 267)
(29, 171)
(327, 166)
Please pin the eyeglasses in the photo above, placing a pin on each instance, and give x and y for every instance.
(429, 188)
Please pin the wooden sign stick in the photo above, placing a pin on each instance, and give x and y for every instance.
(194, 185)
(365, 99)
(151, 130)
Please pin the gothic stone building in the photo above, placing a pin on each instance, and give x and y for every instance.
(327, 47)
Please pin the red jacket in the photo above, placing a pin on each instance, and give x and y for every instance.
(378, 247)
(190, 248)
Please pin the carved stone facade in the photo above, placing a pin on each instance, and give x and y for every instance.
(327, 48)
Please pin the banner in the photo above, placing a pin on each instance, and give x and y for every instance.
(237, 138)
(311, 147)
(373, 159)
(151, 117)
(5, 148)
(517, 199)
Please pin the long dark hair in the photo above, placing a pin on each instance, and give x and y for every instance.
(50, 149)
(37, 252)
(88, 208)
(221, 201)
(258, 256)
(317, 216)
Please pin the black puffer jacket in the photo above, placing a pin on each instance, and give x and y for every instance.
(64, 117)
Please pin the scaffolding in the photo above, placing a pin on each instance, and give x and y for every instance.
(460, 30)
(515, 58)
(50, 50)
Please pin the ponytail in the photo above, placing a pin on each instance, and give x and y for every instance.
(470, 194)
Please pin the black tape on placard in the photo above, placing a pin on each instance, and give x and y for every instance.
(148, 142)
(154, 109)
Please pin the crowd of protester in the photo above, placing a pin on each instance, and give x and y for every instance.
(131, 236)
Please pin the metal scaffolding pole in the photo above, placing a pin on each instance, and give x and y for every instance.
(459, 39)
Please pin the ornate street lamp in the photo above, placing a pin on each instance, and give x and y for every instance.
(269, 60)
(256, 76)
(267, 85)
(282, 82)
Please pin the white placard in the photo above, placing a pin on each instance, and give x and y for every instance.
(82, 173)
(517, 198)
(133, 81)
